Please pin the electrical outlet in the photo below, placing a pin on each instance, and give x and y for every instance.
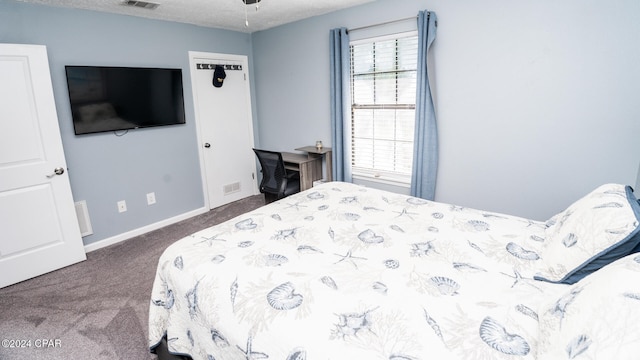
(122, 206)
(151, 198)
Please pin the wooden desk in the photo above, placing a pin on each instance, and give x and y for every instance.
(323, 153)
(310, 168)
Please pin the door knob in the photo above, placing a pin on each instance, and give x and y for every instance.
(207, 145)
(56, 171)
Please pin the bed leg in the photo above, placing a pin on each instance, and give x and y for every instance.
(163, 352)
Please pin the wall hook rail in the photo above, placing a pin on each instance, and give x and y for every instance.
(213, 66)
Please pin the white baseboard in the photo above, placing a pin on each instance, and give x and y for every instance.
(139, 231)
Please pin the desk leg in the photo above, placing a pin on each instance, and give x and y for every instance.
(328, 167)
(306, 179)
(310, 171)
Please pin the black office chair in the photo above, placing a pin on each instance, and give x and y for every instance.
(277, 182)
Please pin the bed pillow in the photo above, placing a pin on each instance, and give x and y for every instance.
(596, 318)
(594, 231)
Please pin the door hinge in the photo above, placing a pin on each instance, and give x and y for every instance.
(245, 76)
(253, 176)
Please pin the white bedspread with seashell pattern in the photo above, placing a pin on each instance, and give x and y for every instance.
(342, 271)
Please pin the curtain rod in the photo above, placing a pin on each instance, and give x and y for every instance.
(380, 24)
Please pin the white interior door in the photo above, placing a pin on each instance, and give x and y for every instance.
(225, 127)
(39, 229)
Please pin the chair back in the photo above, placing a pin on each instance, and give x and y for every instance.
(273, 171)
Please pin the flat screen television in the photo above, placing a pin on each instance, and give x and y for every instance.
(106, 98)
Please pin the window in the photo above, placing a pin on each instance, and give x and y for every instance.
(383, 101)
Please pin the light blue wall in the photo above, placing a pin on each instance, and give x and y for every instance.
(104, 168)
(537, 101)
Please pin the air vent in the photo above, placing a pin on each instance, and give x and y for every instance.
(141, 4)
(231, 188)
(83, 218)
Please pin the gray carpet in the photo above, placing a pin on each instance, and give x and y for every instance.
(97, 309)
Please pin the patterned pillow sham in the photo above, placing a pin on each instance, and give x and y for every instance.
(594, 231)
(596, 318)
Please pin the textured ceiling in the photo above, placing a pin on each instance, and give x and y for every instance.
(224, 14)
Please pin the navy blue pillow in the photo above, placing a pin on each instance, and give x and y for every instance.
(637, 248)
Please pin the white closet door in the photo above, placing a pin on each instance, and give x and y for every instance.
(225, 127)
(39, 230)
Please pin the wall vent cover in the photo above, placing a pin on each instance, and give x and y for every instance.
(141, 4)
(231, 188)
(82, 212)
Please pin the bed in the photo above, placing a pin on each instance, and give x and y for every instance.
(342, 271)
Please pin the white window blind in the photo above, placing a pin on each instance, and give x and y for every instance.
(383, 99)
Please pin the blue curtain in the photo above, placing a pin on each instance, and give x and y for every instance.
(340, 104)
(425, 146)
